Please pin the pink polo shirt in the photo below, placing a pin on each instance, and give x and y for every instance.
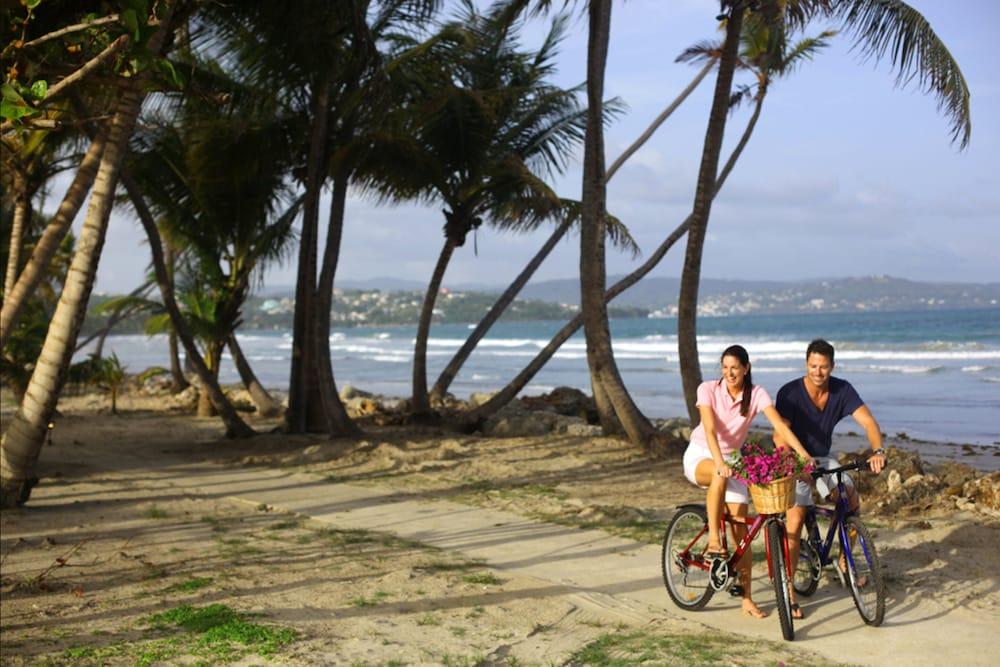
(731, 427)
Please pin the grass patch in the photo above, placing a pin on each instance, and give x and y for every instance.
(216, 524)
(155, 512)
(285, 525)
(189, 586)
(485, 578)
(220, 633)
(446, 566)
(362, 601)
(707, 649)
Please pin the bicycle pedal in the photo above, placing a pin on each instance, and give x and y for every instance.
(736, 591)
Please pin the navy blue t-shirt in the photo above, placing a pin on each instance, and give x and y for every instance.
(814, 428)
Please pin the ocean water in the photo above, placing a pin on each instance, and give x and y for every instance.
(933, 375)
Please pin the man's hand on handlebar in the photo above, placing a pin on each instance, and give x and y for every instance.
(877, 461)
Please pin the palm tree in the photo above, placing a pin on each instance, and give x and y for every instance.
(321, 64)
(881, 28)
(617, 232)
(485, 127)
(25, 433)
(20, 284)
(614, 405)
(232, 226)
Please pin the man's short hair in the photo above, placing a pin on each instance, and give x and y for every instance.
(820, 346)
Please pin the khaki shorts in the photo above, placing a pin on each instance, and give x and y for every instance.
(825, 485)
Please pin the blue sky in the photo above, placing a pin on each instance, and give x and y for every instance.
(846, 175)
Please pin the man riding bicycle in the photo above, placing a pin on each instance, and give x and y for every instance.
(812, 406)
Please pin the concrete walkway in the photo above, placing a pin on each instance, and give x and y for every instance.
(610, 572)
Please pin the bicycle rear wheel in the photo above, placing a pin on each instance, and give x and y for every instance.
(779, 572)
(864, 572)
(682, 563)
(807, 570)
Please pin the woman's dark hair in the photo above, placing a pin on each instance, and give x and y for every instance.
(740, 353)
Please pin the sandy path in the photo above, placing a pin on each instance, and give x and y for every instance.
(609, 572)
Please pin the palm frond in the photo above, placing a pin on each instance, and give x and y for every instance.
(893, 29)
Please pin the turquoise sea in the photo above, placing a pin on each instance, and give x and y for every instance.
(934, 375)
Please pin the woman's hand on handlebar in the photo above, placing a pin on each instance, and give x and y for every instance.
(723, 470)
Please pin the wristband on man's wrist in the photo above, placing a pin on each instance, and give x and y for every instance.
(879, 452)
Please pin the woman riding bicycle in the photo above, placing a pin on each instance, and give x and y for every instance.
(726, 407)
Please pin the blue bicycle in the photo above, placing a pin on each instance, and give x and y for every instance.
(857, 566)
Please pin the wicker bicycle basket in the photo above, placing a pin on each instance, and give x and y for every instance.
(774, 497)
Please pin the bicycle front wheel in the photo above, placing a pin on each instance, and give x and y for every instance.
(864, 572)
(682, 562)
(779, 573)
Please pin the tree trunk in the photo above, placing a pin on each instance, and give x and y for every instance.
(26, 432)
(600, 357)
(235, 426)
(299, 418)
(458, 360)
(23, 289)
(22, 206)
(420, 405)
(340, 423)
(178, 382)
(266, 405)
(687, 301)
(475, 417)
(213, 357)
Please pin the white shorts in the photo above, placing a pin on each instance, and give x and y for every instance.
(736, 491)
(825, 485)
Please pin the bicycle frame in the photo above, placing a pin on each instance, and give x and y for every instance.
(751, 534)
(837, 514)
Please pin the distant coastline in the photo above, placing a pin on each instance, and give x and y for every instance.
(654, 298)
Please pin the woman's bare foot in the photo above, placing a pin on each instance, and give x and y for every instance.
(750, 608)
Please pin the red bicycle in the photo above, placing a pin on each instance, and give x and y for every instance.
(692, 578)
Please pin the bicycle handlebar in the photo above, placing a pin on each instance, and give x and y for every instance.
(860, 464)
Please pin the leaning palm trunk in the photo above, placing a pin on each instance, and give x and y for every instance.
(420, 405)
(23, 438)
(20, 293)
(120, 313)
(22, 207)
(600, 358)
(687, 301)
(475, 417)
(659, 120)
(458, 360)
(301, 415)
(235, 426)
(266, 405)
(340, 423)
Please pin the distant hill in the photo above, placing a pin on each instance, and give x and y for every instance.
(722, 297)
(835, 294)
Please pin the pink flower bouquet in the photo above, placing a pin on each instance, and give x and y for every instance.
(755, 463)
